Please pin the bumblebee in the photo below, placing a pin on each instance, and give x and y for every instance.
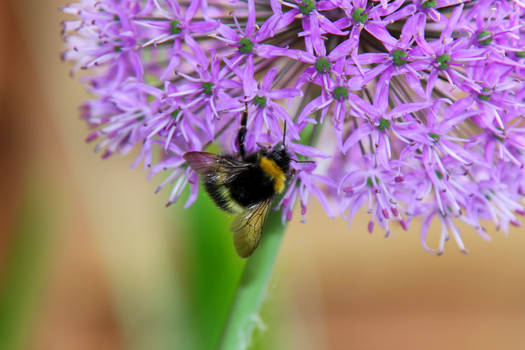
(245, 187)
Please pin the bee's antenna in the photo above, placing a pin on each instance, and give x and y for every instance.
(303, 161)
(284, 135)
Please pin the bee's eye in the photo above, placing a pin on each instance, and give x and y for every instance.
(282, 158)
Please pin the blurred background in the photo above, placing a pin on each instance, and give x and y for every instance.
(91, 259)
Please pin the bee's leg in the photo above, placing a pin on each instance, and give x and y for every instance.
(242, 132)
(284, 135)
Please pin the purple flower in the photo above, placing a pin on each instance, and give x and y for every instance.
(413, 109)
(266, 113)
(174, 27)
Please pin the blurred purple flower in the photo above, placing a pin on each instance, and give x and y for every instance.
(425, 99)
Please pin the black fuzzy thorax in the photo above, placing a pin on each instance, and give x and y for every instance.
(249, 187)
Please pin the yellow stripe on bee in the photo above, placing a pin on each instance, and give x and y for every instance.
(275, 172)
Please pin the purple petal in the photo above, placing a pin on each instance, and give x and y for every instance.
(380, 32)
(203, 27)
(248, 82)
(268, 78)
(250, 23)
(357, 135)
(284, 93)
(343, 49)
(228, 33)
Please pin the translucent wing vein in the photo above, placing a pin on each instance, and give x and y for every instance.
(247, 228)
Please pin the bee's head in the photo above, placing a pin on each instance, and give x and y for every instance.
(282, 158)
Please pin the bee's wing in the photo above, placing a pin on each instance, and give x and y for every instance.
(247, 228)
(213, 164)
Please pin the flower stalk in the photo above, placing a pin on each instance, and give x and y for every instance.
(251, 292)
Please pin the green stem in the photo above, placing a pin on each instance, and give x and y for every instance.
(251, 291)
(25, 272)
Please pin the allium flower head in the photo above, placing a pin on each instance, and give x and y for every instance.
(409, 108)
